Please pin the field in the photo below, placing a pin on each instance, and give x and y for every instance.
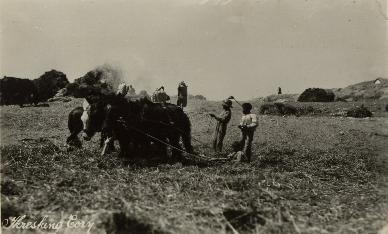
(310, 174)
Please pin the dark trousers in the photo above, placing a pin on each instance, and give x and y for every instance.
(246, 142)
(219, 136)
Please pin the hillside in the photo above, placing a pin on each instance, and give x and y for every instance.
(367, 90)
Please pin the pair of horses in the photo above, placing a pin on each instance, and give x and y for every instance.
(135, 124)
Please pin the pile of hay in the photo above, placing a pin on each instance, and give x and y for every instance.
(359, 112)
(103, 79)
(317, 95)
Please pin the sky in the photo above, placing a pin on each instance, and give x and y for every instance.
(244, 48)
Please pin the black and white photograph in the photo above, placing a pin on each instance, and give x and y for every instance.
(194, 116)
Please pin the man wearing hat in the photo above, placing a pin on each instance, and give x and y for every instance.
(248, 126)
(222, 123)
(182, 95)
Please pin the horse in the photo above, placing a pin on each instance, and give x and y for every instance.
(76, 123)
(139, 123)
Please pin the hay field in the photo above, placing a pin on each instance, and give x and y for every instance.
(316, 174)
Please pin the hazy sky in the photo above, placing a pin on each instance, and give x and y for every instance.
(245, 48)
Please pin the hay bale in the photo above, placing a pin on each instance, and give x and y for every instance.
(359, 112)
(317, 95)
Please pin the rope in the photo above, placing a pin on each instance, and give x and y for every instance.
(176, 148)
(178, 129)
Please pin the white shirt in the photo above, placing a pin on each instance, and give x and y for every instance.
(249, 120)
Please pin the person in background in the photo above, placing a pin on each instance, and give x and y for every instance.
(279, 90)
(182, 95)
(248, 126)
(222, 123)
(132, 91)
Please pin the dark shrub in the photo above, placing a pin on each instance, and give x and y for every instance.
(269, 109)
(278, 109)
(317, 95)
(359, 112)
(16, 91)
(199, 97)
(49, 84)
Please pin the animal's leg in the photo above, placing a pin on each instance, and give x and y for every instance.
(111, 145)
(162, 150)
(73, 140)
(102, 140)
(124, 147)
(106, 144)
(176, 153)
(186, 139)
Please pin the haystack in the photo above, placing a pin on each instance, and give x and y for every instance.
(317, 95)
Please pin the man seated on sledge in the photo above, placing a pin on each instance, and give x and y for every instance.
(160, 96)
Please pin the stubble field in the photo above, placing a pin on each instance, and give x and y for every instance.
(310, 174)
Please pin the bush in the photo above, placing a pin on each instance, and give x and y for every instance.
(49, 84)
(359, 112)
(200, 97)
(317, 95)
(278, 109)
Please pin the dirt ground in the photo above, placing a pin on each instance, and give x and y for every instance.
(310, 174)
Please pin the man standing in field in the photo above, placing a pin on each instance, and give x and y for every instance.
(222, 123)
(248, 126)
(182, 95)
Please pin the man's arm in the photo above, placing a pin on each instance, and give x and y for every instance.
(222, 117)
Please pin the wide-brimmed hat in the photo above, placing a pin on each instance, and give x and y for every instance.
(227, 103)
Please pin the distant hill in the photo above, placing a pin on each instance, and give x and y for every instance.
(367, 90)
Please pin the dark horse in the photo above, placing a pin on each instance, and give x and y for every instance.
(138, 123)
(75, 126)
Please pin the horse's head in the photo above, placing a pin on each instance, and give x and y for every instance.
(93, 116)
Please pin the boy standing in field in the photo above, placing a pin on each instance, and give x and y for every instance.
(222, 123)
(248, 126)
